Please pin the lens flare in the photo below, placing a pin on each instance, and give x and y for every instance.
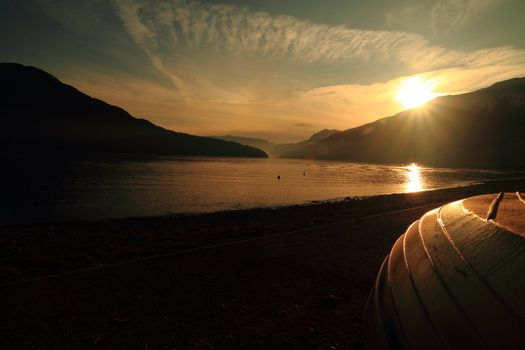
(415, 92)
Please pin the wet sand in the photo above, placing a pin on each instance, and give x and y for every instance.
(292, 277)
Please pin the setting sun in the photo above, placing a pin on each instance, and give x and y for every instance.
(214, 173)
(415, 92)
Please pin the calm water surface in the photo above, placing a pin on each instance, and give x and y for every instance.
(55, 191)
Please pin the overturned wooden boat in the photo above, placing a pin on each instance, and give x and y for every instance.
(454, 280)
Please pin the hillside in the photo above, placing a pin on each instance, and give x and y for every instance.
(277, 149)
(40, 113)
(262, 144)
(483, 129)
(282, 150)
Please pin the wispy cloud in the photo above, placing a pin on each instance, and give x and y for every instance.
(441, 16)
(162, 27)
(233, 29)
(290, 118)
(233, 69)
(447, 15)
(304, 125)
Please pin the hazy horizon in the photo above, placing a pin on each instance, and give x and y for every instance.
(279, 71)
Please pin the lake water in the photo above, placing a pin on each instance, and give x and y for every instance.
(45, 191)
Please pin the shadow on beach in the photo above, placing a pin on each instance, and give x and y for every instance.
(289, 277)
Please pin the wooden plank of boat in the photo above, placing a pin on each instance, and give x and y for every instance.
(453, 280)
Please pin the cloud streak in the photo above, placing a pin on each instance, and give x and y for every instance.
(440, 16)
(233, 69)
(447, 15)
(237, 30)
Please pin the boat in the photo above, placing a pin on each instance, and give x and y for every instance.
(454, 280)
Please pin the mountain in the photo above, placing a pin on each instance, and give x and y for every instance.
(321, 135)
(282, 150)
(39, 113)
(265, 145)
(481, 129)
(276, 149)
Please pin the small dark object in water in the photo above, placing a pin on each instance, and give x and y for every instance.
(278, 177)
(304, 174)
(454, 280)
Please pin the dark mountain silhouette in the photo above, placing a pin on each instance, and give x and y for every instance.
(276, 149)
(39, 113)
(282, 150)
(321, 135)
(482, 129)
(265, 145)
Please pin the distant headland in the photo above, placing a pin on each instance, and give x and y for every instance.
(40, 113)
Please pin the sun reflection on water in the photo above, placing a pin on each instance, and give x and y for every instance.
(414, 179)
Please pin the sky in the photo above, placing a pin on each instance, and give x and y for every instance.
(273, 69)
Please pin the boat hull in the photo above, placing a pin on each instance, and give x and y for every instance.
(454, 280)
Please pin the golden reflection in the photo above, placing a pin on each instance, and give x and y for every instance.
(414, 179)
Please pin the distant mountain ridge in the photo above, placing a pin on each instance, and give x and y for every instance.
(276, 149)
(282, 150)
(40, 113)
(265, 145)
(482, 129)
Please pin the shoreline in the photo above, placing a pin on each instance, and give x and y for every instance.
(53, 247)
(293, 277)
(331, 201)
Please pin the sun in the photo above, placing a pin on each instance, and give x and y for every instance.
(415, 92)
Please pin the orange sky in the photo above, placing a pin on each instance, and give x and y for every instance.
(279, 71)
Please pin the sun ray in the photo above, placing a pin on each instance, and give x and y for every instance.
(414, 92)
